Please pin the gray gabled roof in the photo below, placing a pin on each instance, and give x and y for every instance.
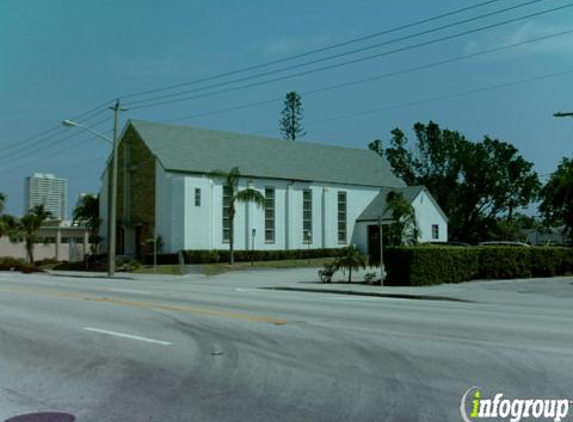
(378, 206)
(195, 150)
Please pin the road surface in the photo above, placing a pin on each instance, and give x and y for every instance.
(201, 350)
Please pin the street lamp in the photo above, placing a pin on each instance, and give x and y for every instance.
(71, 123)
(113, 201)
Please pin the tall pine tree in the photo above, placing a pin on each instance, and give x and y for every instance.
(290, 123)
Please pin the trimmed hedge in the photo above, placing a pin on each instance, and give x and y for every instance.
(424, 266)
(214, 256)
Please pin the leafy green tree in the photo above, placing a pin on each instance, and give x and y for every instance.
(350, 259)
(87, 212)
(2, 202)
(290, 123)
(557, 197)
(404, 230)
(26, 229)
(475, 183)
(496, 181)
(231, 196)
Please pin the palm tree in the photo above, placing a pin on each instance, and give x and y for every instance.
(87, 212)
(351, 259)
(232, 195)
(405, 229)
(26, 229)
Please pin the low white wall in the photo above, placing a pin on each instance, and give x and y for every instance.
(43, 251)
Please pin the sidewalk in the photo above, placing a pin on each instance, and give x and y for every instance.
(520, 292)
(307, 280)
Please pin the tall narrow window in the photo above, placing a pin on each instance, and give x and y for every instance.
(269, 215)
(197, 197)
(307, 216)
(341, 217)
(435, 231)
(226, 221)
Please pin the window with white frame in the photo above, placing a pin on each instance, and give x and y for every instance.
(269, 215)
(341, 217)
(227, 195)
(307, 216)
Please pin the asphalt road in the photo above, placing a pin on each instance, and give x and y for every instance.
(219, 350)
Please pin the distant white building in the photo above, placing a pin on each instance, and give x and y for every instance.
(49, 191)
(317, 196)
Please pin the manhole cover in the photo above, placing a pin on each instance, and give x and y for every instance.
(43, 417)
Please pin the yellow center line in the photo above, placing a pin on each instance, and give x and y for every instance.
(151, 305)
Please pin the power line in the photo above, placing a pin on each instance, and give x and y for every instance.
(378, 110)
(330, 67)
(23, 152)
(311, 52)
(375, 78)
(54, 153)
(433, 99)
(335, 56)
(381, 109)
(57, 130)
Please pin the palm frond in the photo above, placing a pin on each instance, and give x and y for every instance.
(251, 195)
(230, 178)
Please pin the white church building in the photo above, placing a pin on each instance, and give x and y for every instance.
(316, 195)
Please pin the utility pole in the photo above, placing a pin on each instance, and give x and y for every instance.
(112, 227)
(382, 269)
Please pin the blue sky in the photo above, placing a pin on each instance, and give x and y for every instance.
(60, 58)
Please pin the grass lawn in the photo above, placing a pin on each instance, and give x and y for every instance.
(212, 269)
(161, 269)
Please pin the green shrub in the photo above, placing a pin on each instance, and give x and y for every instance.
(17, 264)
(214, 256)
(503, 262)
(421, 266)
(327, 272)
(47, 261)
(370, 277)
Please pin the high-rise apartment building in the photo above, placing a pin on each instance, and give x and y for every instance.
(47, 190)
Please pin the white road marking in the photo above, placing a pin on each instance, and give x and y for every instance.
(130, 291)
(129, 336)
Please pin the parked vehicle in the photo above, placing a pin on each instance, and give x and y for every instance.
(504, 243)
(452, 243)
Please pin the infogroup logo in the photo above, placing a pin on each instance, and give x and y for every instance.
(474, 407)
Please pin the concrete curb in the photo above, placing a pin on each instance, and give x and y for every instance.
(372, 294)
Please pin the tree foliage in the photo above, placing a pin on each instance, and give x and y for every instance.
(350, 259)
(290, 123)
(475, 183)
(26, 229)
(557, 197)
(230, 185)
(404, 230)
(87, 212)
